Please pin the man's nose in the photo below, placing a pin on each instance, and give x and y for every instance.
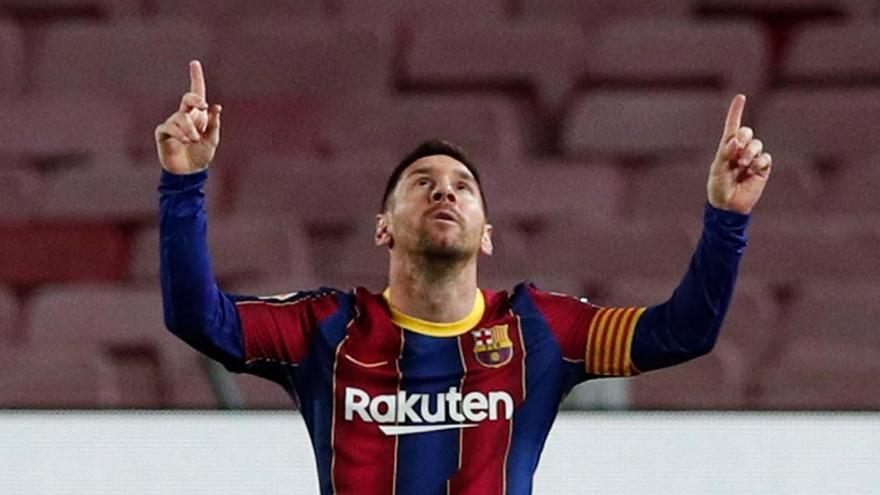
(441, 193)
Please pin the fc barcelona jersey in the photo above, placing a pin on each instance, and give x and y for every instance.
(395, 404)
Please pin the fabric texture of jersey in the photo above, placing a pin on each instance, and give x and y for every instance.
(394, 404)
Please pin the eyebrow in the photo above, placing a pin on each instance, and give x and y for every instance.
(426, 170)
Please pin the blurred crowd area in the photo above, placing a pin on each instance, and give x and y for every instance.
(593, 123)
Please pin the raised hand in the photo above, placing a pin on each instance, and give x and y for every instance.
(741, 167)
(187, 140)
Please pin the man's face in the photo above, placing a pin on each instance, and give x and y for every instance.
(436, 210)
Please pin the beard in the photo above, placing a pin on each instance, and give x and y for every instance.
(446, 249)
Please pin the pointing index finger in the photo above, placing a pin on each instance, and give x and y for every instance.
(734, 116)
(196, 78)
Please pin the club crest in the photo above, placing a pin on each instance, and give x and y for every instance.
(492, 346)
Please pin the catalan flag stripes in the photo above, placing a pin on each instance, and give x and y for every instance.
(609, 341)
(499, 335)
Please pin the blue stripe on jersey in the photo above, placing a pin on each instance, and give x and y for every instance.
(545, 377)
(426, 460)
(315, 393)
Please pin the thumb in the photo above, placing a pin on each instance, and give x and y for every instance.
(212, 131)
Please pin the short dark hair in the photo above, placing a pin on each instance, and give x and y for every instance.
(430, 148)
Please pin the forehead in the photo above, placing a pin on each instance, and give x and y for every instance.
(437, 164)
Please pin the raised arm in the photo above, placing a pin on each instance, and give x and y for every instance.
(687, 325)
(194, 307)
(623, 341)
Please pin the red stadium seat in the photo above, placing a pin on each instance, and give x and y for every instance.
(834, 124)
(20, 194)
(833, 53)
(604, 250)
(282, 83)
(11, 59)
(832, 353)
(595, 12)
(316, 191)
(542, 57)
(349, 258)
(71, 9)
(410, 12)
(8, 316)
(241, 247)
(485, 126)
(714, 381)
(320, 60)
(102, 194)
(33, 253)
(259, 393)
(68, 127)
(650, 51)
(228, 13)
(828, 375)
(124, 330)
(52, 377)
(793, 249)
(645, 122)
(675, 190)
(852, 190)
(551, 189)
(111, 59)
(790, 9)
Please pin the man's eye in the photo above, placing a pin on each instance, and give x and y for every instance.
(423, 182)
(464, 186)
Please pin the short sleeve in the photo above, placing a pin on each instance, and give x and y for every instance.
(601, 337)
(279, 329)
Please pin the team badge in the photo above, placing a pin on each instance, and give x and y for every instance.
(492, 346)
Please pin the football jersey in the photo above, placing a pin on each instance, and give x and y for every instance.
(396, 404)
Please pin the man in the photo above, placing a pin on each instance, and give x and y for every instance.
(436, 386)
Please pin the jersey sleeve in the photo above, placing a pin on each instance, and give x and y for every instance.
(600, 337)
(279, 329)
(244, 333)
(624, 341)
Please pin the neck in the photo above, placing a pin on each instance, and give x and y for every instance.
(437, 290)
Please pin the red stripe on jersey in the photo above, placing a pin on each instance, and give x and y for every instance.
(281, 330)
(364, 458)
(484, 448)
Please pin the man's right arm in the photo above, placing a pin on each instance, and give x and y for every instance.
(244, 333)
(194, 307)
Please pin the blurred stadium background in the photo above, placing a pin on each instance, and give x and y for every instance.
(593, 123)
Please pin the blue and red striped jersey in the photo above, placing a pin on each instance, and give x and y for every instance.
(400, 405)
(395, 404)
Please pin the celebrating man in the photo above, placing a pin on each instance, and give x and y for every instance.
(436, 385)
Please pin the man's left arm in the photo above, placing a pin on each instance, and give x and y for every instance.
(687, 325)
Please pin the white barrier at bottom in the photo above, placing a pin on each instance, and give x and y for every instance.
(269, 453)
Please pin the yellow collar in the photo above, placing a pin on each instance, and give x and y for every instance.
(435, 329)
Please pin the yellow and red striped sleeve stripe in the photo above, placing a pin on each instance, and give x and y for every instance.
(609, 341)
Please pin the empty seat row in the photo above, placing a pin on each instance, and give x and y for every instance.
(589, 11)
(827, 125)
(110, 193)
(669, 188)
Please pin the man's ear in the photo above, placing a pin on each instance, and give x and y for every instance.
(486, 246)
(383, 236)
